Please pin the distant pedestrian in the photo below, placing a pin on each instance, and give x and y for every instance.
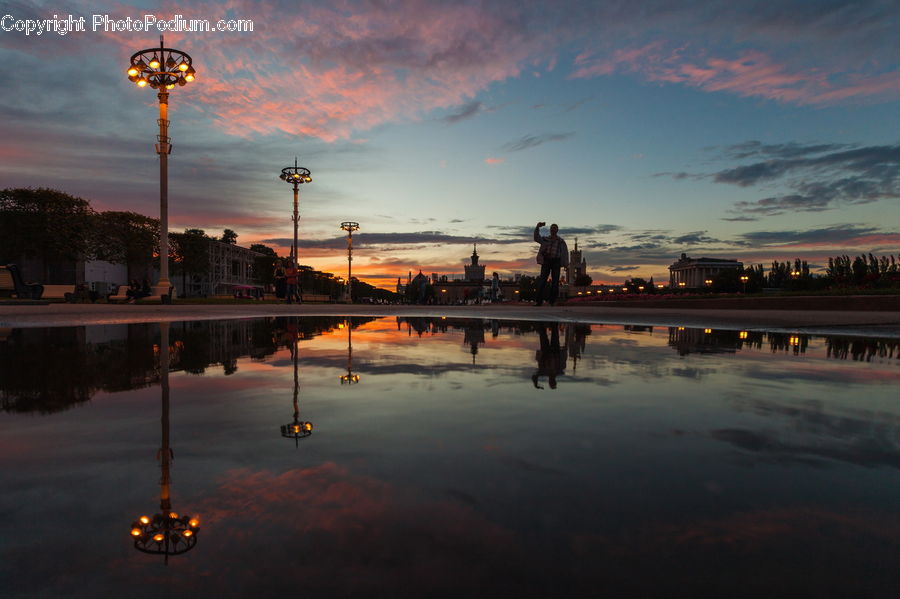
(552, 255)
(495, 287)
(292, 275)
(280, 280)
(138, 290)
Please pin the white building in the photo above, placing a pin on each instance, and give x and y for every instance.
(229, 265)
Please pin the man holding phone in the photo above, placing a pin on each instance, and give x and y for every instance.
(552, 255)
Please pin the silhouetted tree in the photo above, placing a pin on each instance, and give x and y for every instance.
(126, 238)
(229, 236)
(189, 253)
(264, 266)
(46, 223)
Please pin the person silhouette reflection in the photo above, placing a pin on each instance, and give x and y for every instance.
(551, 359)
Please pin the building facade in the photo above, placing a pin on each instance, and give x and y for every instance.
(577, 265)
(693, 273)
(472, 288)
(230, 265)
(474, 271)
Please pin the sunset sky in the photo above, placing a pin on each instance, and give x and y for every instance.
(734, 129)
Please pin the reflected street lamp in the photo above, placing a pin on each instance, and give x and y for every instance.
(165, 533)
(162, 69)
(350, 378)
(297, 429)
(296, 176)
(349, 227)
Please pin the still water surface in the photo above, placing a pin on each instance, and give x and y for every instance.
(434, 457)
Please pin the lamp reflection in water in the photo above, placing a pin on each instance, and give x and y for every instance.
(297, 429)
(165, 533)
(350, 378)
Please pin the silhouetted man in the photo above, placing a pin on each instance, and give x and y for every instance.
(552, 255)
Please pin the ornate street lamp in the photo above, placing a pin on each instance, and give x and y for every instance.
(162, 69)
(165, 533)
(349, 227)
(350, 378)
(297, 429)
(296, 176)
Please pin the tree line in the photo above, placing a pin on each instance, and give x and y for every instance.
(55, 227)
(866, 271)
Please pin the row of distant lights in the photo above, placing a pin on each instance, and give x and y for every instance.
(792, 340)
(613, 290)
(144, 73)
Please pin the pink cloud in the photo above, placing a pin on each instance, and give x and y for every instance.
(494, 161)
(751, 74)
(329, 71)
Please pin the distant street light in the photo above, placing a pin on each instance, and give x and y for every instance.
(296, 176)
(162, 69)
(349, 227)
(744, 279)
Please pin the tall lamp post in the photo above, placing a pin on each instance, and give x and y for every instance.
(296, 176)
(166, 533)
(349, 227)
(162, 69)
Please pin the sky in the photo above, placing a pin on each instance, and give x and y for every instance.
(753, 131)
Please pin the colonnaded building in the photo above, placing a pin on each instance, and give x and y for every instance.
(693, 273)
(230, 265)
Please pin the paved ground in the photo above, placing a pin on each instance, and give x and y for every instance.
(857, 322)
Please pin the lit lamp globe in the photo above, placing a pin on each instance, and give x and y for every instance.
(165, 534)
(297, 430)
